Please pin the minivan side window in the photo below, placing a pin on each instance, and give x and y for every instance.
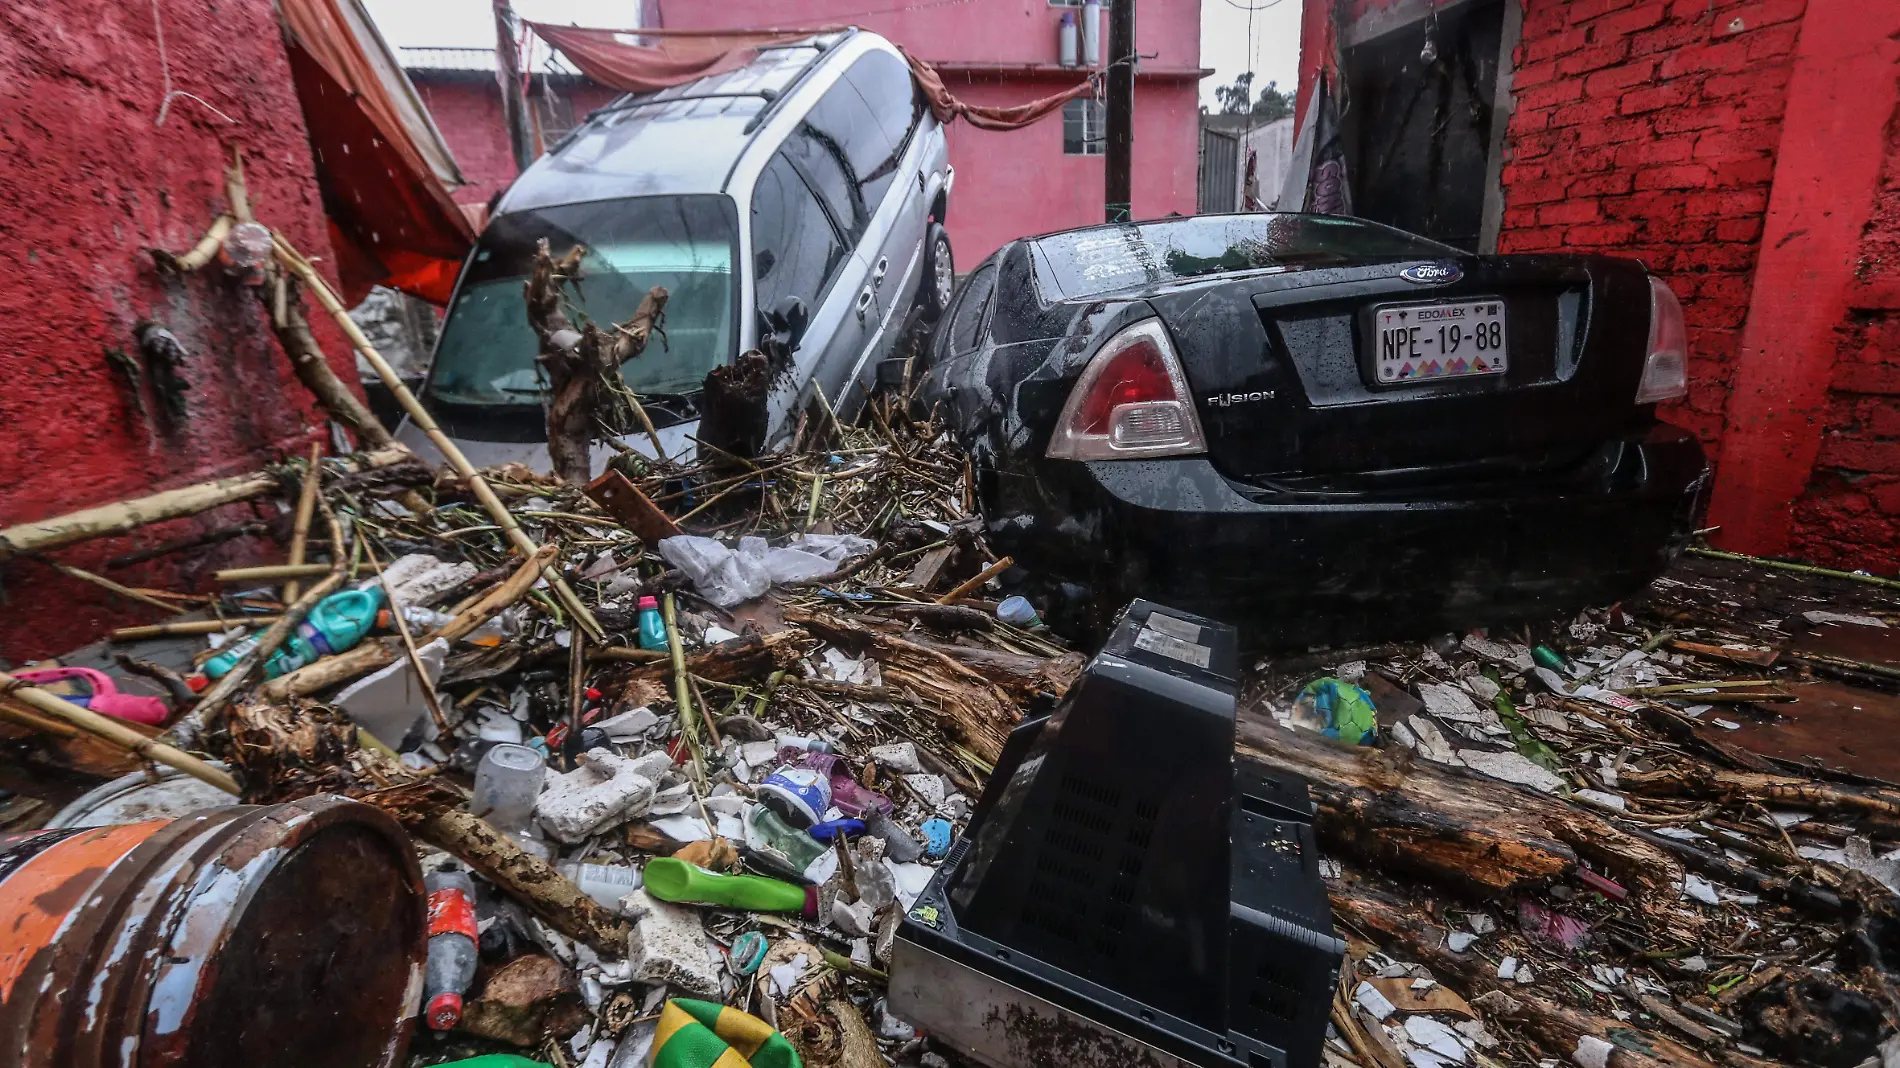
(884, 81)
(846, 153)
(965, 327)
(795, 251)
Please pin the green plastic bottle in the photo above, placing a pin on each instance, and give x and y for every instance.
(338, 622)
(670, 879)
(652, 626)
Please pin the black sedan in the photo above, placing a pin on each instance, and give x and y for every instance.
(1319, 428)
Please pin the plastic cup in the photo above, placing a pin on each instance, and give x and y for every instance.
(506, 783)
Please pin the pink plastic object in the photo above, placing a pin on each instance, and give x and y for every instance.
(105, 697)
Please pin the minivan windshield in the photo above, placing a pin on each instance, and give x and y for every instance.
(486, 355)
(1102, 259)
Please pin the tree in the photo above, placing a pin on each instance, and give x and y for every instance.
(1235, 99)
(1273, 104)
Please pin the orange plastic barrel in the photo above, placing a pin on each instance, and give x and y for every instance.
(243, 937)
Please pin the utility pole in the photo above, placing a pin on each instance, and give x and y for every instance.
(1121, 109)
(514, 105)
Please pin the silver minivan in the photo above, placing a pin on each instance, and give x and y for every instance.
(801, 196)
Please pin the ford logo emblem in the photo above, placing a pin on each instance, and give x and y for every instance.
(1432, 274)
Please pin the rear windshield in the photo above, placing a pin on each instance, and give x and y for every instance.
(1102, 259)
(686, 243)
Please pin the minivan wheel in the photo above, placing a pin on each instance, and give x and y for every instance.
(940, 273)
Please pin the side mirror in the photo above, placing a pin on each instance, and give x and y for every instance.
(787, 320)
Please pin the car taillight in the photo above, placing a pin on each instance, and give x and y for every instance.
(1132, 400)
(1666, 369)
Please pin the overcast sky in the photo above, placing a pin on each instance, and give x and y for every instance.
(1272, 52)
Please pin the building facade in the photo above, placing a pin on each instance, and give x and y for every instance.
(1748, 151)
(102, 167)
(1048, 176)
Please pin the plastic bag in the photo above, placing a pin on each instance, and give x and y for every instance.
(721, 575)
(727, 576)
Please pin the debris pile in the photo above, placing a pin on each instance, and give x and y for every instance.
(697, 734)
(1660, 833)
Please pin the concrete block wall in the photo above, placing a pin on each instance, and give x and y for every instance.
(1648, 128)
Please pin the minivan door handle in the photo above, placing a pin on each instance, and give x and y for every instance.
(877, 273)
(864, 303)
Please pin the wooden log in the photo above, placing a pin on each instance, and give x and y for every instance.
(124, 516)
(1474, 835)
(1704, 781)
(435, 815)
(113, 731)
(283, 306)
(1023, 677)
(976, 581)
(746, 657)
(371, 655)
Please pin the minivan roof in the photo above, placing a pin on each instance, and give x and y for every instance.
(684, 139)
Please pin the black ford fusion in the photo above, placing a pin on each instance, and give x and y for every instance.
(1317, 427)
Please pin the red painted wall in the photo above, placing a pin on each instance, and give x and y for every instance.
(1849, 514)
(89, 184)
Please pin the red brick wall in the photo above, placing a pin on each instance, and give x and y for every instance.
(466, 107)
(1850, 515)
(1648, 128)
(89, 184)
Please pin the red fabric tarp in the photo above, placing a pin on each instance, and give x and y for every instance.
(392, 221)
(614, 59)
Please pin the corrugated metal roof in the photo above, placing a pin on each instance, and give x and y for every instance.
(427, 58)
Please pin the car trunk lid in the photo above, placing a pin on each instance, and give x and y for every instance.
(1288, 383)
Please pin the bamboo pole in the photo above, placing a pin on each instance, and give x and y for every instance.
(503, 518)
(124, 516)
(115, 732)
(279, 572)
(189, 627)
(306, 506)
(1800, 569)
(108, 585)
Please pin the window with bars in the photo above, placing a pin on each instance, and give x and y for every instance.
(1084, 127)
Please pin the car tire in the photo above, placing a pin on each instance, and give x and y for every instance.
(940, 273)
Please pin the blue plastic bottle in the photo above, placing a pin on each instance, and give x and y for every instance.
(338, 622)
(652, 627)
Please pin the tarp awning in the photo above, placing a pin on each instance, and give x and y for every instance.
(645, 61)
(383, 168)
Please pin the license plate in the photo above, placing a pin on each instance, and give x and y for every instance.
(1433, 342)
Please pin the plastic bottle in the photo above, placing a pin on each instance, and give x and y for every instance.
(338, 622)
(652, 627)
(765, 830)
(671, 879)
(451, 947)
(419, 619)
(1018, 612)
(605, 883)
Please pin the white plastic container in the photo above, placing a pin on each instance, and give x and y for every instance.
(605, 883)
(507, 781)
